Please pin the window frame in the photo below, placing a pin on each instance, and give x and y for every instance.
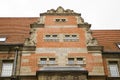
(60, 19)
(8, 70)
(52, 61)
(71, 38)
(81, 61)
(112, 72)
(43, 62)
(3, 39)
(51, 38)
(118, 45)
(71, 61)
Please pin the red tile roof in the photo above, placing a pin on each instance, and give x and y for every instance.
(17, 29)
(108, 39)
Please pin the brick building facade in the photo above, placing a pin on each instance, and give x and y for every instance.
(58, 45)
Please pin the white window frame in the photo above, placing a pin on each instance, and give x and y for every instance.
(51, 38)
(7, 68)
(51, 61)
(81, 61)
(71, 38)
(118, 46)
(113, 68)
(42, 62)
(2, 39)
(71, 61)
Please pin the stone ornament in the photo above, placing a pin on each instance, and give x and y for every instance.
(60, 10)
(90, 40)
(32, 40)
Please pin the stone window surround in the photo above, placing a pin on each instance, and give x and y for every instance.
(47, 60)
(60, 19)
(76, 61)
(72, 37)
(51, 37)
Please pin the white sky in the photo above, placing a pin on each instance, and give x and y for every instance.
(102, 14)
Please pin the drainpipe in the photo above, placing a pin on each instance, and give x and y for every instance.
(15, 64)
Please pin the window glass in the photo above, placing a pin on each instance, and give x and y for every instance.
(2, 39)
(60, 20)
(57, 20)
(63, 20)
(67, 35)
(51, 60)
(74, 35)
(70, 60)
(79, 60)
(7, 69)
(43, 60)
(71, 38)
(51, 38)
(118, 45)
(47, 35)
(54, 35)
(113, 66)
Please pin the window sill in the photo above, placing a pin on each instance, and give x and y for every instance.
(83, 65)
(41, 65)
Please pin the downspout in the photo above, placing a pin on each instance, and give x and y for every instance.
(15, 64)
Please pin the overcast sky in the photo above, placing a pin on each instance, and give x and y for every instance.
(102, 14)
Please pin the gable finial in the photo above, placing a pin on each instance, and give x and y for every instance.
(60, 10)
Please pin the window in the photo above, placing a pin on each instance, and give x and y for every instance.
(118, 46)
(7, 69)
(43, 61)
(60, 20)
(80, 61)
(46, 61)
(57, 20)
(67, 35)
(74, 35)
(70, 60)
(63, 20)
(54, 35)
(51, 60)
(47, 35)
(51, 38)
(71, 37)
(76, 61)
(2, 39)
(113, 67)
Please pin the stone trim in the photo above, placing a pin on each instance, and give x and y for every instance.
(95, 48)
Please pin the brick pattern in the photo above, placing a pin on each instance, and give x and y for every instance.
(108, 39)
(15, 29)
(42, 31)
(94, 67)
(50, 20)
(31, 65)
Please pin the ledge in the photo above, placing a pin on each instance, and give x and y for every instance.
(36, 25)
(29, 48)
(85, 25)
(61, 14)
(95, 48)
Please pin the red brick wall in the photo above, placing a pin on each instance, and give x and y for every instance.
(42, 31)
(50, 20)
